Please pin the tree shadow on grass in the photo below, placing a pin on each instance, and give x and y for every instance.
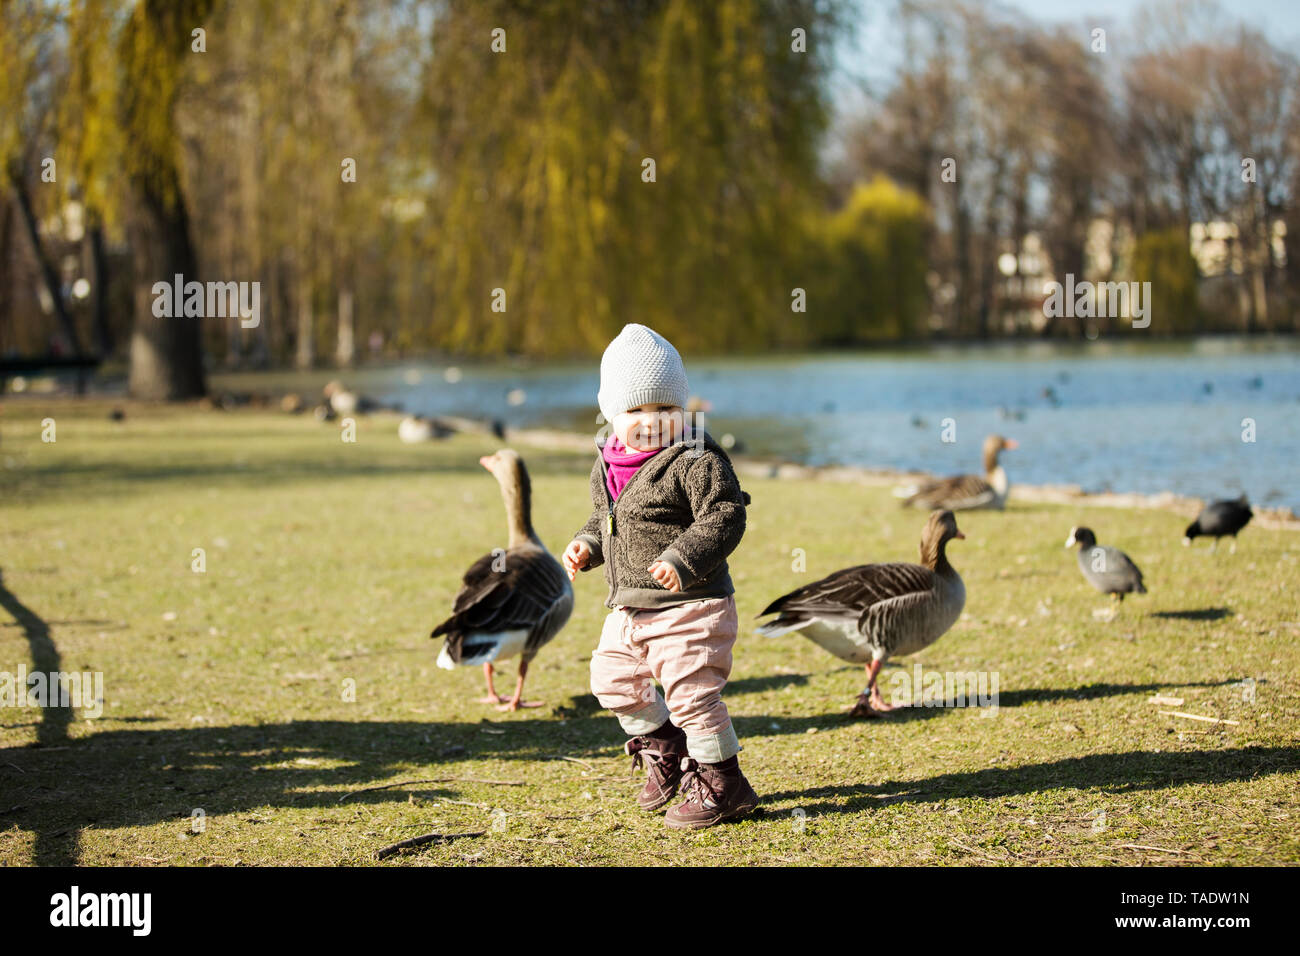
(138, 777)
(53, 727)
(1008, 698)
(1036, 695)
(756, 685)
(1114, 773)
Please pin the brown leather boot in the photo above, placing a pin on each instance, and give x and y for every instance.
(712, 796)
(662, 758)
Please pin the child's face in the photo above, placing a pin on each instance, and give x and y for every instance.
(648, 427)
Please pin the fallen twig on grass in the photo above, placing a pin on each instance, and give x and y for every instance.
(1158, 849)
(422, 823)
(464, 803)
(1208, 720)
(576, 760)
(971, 849)
(1166, 701)
(422, 840)
(403, 783)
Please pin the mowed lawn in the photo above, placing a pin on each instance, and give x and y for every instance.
(230, 735)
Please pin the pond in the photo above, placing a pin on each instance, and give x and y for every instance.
(1104, 415)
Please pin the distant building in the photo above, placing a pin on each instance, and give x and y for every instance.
(1217, 248)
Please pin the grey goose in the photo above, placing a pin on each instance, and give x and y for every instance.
(512, 601)
(966, 492)
(871, 612)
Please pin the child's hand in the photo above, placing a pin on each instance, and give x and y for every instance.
(666, 575)
(576, 556)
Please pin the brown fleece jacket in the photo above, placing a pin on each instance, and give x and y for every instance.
(684, 507)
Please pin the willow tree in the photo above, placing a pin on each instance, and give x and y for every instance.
(166, 353)
(91, 137)
(614, 161)
(29, 91)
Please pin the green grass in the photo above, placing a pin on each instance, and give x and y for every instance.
(329, 562)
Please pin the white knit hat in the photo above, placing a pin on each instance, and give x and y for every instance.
(639, 367)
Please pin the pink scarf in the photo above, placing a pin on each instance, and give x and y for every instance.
(622, 463)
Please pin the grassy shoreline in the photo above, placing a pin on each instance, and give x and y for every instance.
(328, 562)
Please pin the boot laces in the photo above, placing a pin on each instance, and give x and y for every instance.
(638, 746)
(698, 782)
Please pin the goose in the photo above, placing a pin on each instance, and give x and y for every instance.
(345, 402)
(1109, 570)
(964, 492)
(339, 399)
(512, 601)
(1219, 518)
(869, 613)
(414, 429)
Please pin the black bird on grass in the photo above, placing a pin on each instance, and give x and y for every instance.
(1220, 518)
(1109, 570)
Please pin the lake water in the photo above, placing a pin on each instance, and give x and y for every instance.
(1105, 416)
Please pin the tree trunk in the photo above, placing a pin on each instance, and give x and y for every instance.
(166, 353)
(1239, 249)
(6, 275)
(962, 251)
(305, 356)
(347, 350)
(49, 274)
(100, 331)
(988, 265)
(1259, 258)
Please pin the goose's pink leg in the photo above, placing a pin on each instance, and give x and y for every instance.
(492, 696)
(870, 703)
(514, 703)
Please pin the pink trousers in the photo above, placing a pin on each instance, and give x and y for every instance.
(687, 649)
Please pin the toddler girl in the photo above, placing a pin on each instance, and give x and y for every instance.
(668, 510)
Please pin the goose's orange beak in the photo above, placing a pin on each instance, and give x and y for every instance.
(486, 461)
(1011, 443)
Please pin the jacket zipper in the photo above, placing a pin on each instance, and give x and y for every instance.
(610, 503)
